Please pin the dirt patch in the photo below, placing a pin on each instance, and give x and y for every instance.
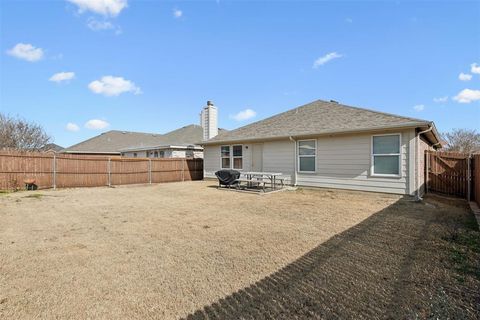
(167, 251)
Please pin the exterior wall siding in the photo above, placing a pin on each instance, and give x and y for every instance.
(345, 162)
(279, 156)
(342, 161)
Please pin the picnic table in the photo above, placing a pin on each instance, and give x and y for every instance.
(271, 176)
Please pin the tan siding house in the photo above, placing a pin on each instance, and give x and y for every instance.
(386, 156)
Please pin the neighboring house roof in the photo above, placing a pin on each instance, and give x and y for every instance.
(52, 147)
(112, 142)
(317, 118)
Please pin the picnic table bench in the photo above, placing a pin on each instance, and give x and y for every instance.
(251, 182)
(265, 177)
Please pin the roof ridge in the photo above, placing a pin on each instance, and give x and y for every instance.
(371, 110)
(272, 116)
(126, 131)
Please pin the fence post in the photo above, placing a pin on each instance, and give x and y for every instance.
(469, 176)
(54, 171)
(427, 169)
(150, 171)
(109, 172)
(183, 169)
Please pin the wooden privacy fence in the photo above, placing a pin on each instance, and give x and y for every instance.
(476, 178)
(63, 171)
(448, 173)
(453, 173)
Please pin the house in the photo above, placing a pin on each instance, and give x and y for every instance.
(328, 144)
(111, 142)
(51, 147)
(179, 143)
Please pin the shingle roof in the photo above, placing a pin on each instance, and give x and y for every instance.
(113, 141)
(52, 147)
(318, 117)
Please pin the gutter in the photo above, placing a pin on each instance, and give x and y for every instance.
(417, 147)
(294, 160)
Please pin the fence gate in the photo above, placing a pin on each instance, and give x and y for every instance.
(448, 173)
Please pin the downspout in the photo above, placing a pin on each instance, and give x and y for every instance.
(417, 147)
(294, 161)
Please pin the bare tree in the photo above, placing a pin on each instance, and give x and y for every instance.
(463, 140)
(19, 134)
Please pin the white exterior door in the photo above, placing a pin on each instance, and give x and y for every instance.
(257, 157)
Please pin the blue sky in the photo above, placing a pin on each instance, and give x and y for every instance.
(81, 67)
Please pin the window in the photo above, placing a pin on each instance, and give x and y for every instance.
(307, 151)
(134, 154)
(386, 155)
(225, 154)
(232, 157)
(155, 154)
(162, 154)
(237, 157)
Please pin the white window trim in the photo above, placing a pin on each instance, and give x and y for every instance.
(236, 157)
(399, 154)
(306, 156)
(229, 157)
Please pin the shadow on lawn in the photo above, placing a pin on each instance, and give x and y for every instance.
(380, 268)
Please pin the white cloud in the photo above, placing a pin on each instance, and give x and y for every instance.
(177, 13)
(26, 51)
(104, 7)
(96, 124)
(326, 58)
(62, 76)
(465, 76)
(244, 115)
(475, 68)
(419, 107)
(440, 99)
(73, 127)
(96, 25)
(113, 86)
(467, 96)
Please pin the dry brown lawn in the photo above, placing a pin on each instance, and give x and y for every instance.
(188, 250)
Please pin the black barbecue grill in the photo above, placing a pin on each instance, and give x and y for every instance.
(228, 178)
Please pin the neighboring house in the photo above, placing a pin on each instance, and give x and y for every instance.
(111, 142)
(164, 151)
(327, 144)
(51, 147)
(180, 143)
